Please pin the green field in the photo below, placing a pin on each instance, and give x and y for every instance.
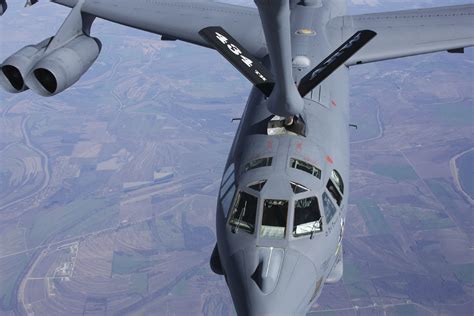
(417, 218)
(352, 273)
(398, 172)
(356, 285)
(373, 217)
(439, 187)
(464, 272)
(180, 288)
(360, 290)
(139, 283)
(123, 263)
(101, 218)
(443, 190)
(170, 232)
(12, 239)
(403, 310)
(451, 114)
(10, 270)
(325, 313)
(78, 217)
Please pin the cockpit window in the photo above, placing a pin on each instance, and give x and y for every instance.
(298, 188)
(274, 219)
(329, 208)
(337, 179)
(244, 212)
(306, 167)
(334, 192)
(258, 163)
(307, 217)
(257, 186)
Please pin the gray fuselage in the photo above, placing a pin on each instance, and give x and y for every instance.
(273, 270)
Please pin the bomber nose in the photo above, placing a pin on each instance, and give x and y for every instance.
(267, 272)
(271, 281)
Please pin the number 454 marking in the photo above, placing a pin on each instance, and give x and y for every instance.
(234, 49)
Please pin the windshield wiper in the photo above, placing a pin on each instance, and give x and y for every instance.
(237, 225)
(313, 228)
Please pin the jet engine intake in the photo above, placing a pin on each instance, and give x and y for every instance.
(63, 67)
(15, 68)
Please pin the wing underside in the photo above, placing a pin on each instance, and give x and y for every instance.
(400, 33)
(182, 19)
(410, 32)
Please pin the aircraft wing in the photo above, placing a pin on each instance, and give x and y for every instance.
(410, 32)
(182, 19)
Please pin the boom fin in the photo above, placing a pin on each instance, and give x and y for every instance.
(334, 61)
(238, 56)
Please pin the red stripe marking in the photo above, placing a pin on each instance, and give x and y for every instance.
(269, 144)
(333, 103)
(329, 159)
(299, 146)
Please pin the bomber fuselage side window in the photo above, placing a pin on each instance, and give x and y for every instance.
(298, 188)
(227, 198)
(307, 217)
(334, 192)
(259, 163)
(244, 213)
(306, 167)
(329, 208)
(257, 186)
(337, 179)
(228, 189)
(274, 217)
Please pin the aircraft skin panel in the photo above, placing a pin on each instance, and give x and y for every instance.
(409, 32)
(182, 20)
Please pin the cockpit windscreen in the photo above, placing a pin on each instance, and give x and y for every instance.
(244, 213)
(275, 213)
(307, 217)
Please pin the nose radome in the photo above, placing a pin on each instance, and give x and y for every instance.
(268, 269)
(271, 281)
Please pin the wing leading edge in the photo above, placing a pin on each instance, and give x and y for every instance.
(182, 19)
(410, 32)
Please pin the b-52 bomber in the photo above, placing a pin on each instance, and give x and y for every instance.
(284, 193)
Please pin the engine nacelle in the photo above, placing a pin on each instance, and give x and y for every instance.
(63, 67)
(16, 67)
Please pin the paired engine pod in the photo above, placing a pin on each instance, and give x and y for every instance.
(64, 66)
(17, 66)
